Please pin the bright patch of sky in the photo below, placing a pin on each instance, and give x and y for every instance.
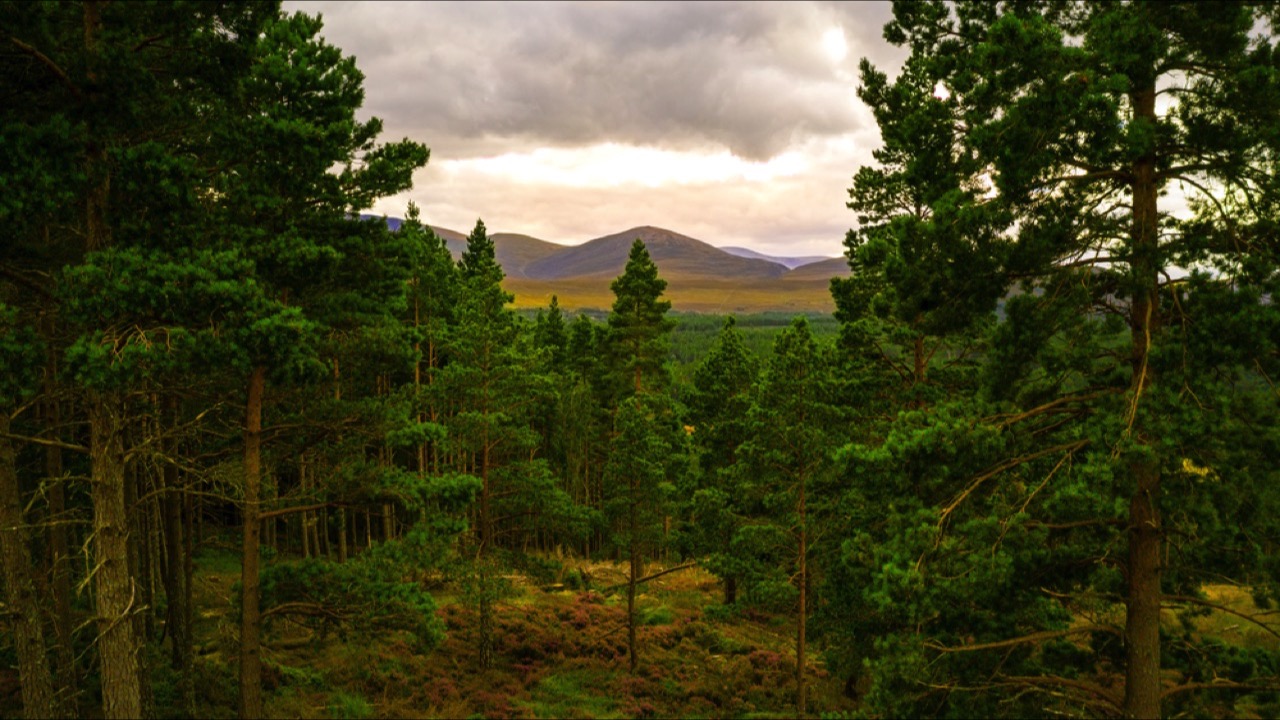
(612, 164)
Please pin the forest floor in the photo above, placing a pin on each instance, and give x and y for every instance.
(561, 653)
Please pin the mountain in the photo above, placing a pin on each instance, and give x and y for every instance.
(822, 270)
(516, 252)
(788, 262)
(700, 277)
(673, 253)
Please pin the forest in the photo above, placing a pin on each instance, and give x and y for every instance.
(262, 457)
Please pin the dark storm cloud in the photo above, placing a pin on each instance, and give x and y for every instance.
(484, 78)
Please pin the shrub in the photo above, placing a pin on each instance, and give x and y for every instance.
(349, 707)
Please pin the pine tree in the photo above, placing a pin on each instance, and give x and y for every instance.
(1087, 435)
(291, 217)
(787, 456)
(19, 368)
(719, 406)
(492, 378)
(639, 485)
(638, 326)
(79, 82)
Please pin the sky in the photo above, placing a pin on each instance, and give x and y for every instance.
(733, 123)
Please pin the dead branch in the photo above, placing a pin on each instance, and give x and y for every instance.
(1023, 640)
(1223, 608)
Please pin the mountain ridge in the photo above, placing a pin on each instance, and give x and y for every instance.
(701, 277)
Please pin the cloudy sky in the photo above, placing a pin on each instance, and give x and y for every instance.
(734, 123)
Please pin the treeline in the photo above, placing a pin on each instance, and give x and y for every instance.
(965, 512)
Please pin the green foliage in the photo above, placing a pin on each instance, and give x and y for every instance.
(347, 706)
(367, 594)
(991, 507)
(637, 338)
(20, 356)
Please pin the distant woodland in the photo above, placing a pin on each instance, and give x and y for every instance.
(262, 457)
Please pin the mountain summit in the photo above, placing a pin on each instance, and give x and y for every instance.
(674, 254)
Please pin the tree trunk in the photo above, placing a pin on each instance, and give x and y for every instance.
(804, 608)
(119, 649)
(28, 633)
(631, 607)
(59, 554)
(137, 543)
(1142, 618)
(175, 576)
(250, 620)
(633, 543)
(730, 590)
(342, 535)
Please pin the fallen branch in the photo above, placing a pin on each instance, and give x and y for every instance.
(654, 576)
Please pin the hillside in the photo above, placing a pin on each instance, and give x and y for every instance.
(789, 262)
(822, 270)
(700, 276)
(675, 254)
(516, 252)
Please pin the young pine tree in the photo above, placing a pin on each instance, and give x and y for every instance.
(638, 326)
(788, 455)
(719, 409)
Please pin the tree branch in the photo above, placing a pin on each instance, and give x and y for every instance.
(1225, 609)
(279, 512)
(654, 576)
(43, 441)
(1095, 690)
(48, 63)
(1023, 640)
(1007, 465)
(1216, 684)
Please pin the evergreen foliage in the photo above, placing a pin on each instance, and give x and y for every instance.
(638, 325)
(1073, 486)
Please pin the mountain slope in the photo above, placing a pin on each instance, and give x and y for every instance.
(789, 262)
(822, 270)
(674, 254)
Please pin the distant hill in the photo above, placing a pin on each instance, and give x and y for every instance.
(788, 262)
(821, 270)
(673, 253)
(517, 252)
(700, 277)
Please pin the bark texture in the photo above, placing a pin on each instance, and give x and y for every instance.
(250, 612)
(119, 648)
(1142, 617)
(38, 700)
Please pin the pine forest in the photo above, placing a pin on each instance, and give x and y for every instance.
(265, 454)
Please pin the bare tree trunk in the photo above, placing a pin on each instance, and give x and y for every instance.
(138, 543)
(119, 647)
(28, 633)
(804, 608)
(304, 517)
(632, 576)
(250, 619)
(175, 576)
(59, 555)
(342, 535)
